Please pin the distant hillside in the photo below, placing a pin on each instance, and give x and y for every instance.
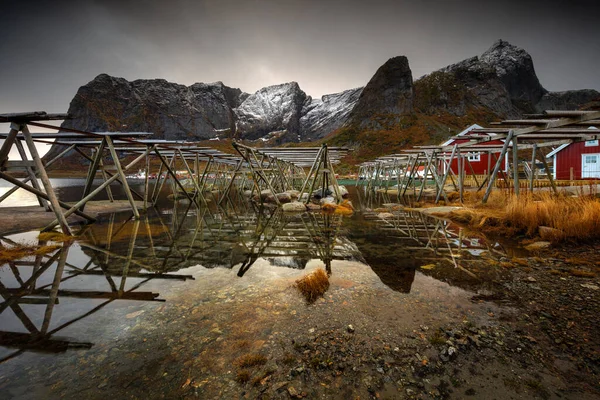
(390, 113)
(501, 83)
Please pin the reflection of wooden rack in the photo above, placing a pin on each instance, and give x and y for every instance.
(30, 292)
(431, 235)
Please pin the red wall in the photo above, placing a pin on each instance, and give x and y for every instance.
(569, 157)
(480, 167)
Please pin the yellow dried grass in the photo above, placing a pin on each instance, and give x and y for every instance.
(313, 285)
(576, 218)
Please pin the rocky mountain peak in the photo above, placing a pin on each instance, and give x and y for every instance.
(271, 109)
(514, 67)
(390, 91)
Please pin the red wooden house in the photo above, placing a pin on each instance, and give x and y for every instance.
(481, 162)
(575, 161)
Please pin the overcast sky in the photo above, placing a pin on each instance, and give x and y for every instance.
(48, 49)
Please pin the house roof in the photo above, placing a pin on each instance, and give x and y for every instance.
(564, 146)
(463, 133)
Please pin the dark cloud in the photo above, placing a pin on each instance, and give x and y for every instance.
(50, 48)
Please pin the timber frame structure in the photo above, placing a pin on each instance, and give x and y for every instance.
(105, 145)
(282, 169)
(431, 165)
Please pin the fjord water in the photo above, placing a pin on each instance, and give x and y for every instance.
(170, 301)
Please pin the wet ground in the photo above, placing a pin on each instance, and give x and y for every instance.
(189, 303)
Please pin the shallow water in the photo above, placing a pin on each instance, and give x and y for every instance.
(138, 304)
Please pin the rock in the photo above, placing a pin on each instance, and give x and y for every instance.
(168, 110)
(293, 392)
(385, 215)
(322, 116)
(279, 385)
(549, 234)
(294, 206)
(567, 100)
(452, 351)
(327, 200)
(538, 245)
(313, 207)
(530, 279)
(284, 197)
(350, 329)
(389, 92)
(342, 189)
(320, 193)
(272, 111)
(264, 194)
(293, 194)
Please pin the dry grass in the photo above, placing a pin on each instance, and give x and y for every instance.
(16, 252)
(251, 360)
(582, 273)
(313, 285)
(242, 376)
(40, 251)
(571, 218)
(53, 236)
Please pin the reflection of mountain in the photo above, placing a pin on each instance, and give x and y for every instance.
(392, 264)
(398, 242)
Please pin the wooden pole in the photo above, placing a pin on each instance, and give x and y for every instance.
(533, 167)
(156, 191)
(193, 200)
(542, 157)
(310, 173)
(8, 142)
(461, 175)
(515, 154)
(454, 148)
(62, 220)
(120, 172)
(39, 193)
(31, 174)
(146, 181)
(92, 170)
(497, 167)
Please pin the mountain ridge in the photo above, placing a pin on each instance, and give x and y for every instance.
(499, 83)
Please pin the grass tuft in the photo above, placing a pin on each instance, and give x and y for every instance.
(242, 376)
(313, 285)
(251, 360)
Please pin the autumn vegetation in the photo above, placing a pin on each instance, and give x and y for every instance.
(554, 218)
(313, 285)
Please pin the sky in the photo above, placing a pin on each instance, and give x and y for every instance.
(48, 49)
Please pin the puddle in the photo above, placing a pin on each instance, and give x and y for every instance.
(179, 295)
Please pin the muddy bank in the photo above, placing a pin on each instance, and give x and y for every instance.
(257, 338)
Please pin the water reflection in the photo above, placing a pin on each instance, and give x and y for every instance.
(115, 258)
(396, 240)
(38, 283)
(187, 236)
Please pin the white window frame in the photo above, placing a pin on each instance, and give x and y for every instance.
(474, 157)
(591, 143)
